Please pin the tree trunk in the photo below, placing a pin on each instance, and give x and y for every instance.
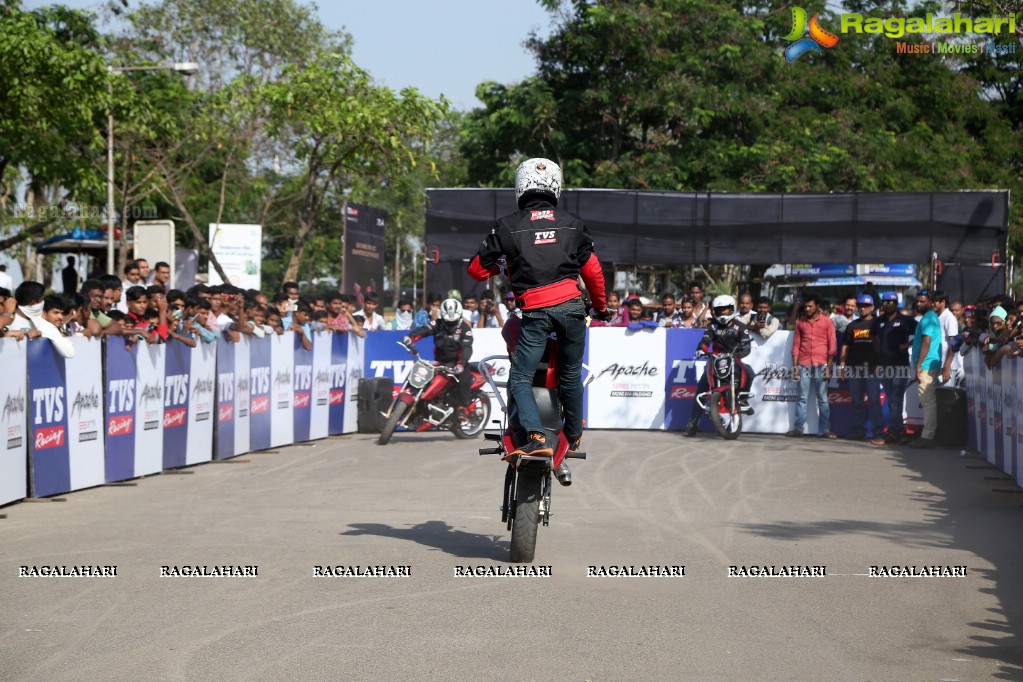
(291, 273)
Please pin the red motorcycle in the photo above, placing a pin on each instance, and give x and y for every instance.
(721, 401)
(527, 481)
(424, 401)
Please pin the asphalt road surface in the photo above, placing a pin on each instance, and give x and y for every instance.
(430, 503)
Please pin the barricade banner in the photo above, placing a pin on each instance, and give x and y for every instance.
(202, 377)
(987, 408)
(338, 376)
(260, 384)
(997, 427)
(682, 377)
(176, 404)
(282, 369)
(122, 375)
(1010, 416)
(242, 396)
(487, 343)
(357, 348)
(775, 393)
(13, 420)
(226, 422)
(66, 417)
(303, 391)
(628, 389)
(319, 412)
(383, 356)
(971, 366)
(149, 408)
(1017, 392)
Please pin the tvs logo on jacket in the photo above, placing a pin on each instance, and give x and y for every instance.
(544, 237)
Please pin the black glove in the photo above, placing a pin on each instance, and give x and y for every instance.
(602, 315)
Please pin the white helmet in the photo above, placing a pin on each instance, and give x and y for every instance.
(538, 176)
(451, 310)
(721, 302)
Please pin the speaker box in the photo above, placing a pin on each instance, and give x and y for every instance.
(952, 429)
(374, 398)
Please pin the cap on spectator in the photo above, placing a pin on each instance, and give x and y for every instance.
(510, 295)
(998, 312)
(890, 296)
(865, 299)
(633, 299)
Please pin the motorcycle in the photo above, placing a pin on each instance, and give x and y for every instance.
(720, 401)
(424, 401)
(526, 502)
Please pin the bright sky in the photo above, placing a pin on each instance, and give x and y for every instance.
(441, 47)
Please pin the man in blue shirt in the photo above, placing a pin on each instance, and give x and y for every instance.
(893, 333)
(927, 362)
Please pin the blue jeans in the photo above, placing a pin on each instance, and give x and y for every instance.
(568, 321)
(871, 387)
(895, 391)
(814, 376)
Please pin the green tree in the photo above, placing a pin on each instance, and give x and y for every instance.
(54, 85)
(685, 95)
(343, 131)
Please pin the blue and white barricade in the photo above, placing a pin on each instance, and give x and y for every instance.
(65, 417)
(188, 408)
(260, 385)
(319, 409)
(355, 361)
(338, 375)
(994, 405)
(13, 421)
(282, 370)
(226, 387)
(385, 358)
(135, 406)
(302, 401)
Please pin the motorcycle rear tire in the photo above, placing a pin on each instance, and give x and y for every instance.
(456, 424)
(719, 424)
(392, 422)
(528, 495)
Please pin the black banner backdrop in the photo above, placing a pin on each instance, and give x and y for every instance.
(363, 241)
(677, 228)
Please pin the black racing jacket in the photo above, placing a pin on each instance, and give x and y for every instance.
(452, 345)
(546, 249)
(731, 338)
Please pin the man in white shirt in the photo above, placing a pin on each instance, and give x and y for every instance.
(746, 308)
(28, 318)
(374, 320)
(949, 329)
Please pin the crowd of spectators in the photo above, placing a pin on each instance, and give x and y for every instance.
(142, 307)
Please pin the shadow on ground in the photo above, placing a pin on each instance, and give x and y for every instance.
(960, 516)
(440, 535)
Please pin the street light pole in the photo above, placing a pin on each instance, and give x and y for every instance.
(110, 177)
(185, 69)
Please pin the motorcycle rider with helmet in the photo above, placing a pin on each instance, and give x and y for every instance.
(724, 334)
(452, 347)
(546, 249)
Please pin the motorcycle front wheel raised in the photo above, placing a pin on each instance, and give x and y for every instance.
(728, 424)
(528, 495)
(472, 425)
(392, 422)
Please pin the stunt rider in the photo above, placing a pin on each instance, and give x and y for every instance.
(452, 347)
(724, 334)
(546, 250)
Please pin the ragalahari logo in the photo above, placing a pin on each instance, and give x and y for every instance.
(803, 43)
